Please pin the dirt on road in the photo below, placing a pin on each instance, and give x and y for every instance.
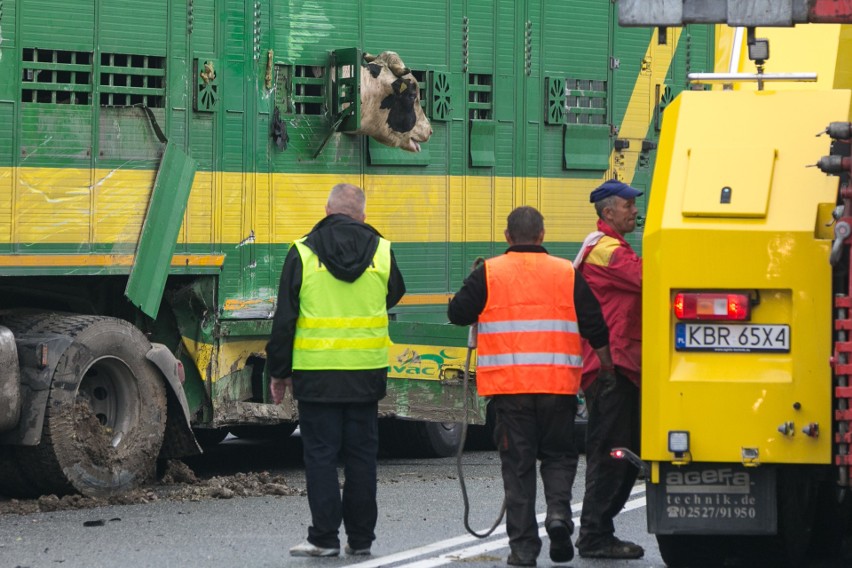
(178, 483)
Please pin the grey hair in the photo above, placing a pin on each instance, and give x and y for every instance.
(347, 199)
(603, 204)
(525, 225)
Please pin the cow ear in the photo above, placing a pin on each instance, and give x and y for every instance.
(375, 69)
(368, 57)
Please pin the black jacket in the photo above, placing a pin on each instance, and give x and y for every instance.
(468, 303)
(346, 247)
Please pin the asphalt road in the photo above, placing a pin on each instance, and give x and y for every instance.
(420, 521)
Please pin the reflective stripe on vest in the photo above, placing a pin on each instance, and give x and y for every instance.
(529, 339)
(342, 325)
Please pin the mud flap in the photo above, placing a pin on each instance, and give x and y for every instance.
(160, 230)
(179, 440)
(707, 499)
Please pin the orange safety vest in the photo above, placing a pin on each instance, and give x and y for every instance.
(529, 341)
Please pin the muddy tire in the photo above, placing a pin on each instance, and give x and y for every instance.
(106, 411)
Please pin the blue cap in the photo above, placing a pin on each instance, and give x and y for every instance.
(613, 187)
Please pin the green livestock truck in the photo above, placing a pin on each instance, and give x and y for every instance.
(158, 158)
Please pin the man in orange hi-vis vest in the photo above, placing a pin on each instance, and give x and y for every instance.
(532, 309)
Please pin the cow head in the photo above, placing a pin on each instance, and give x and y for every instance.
(390, 103)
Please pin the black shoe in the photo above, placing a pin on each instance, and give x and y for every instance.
(516, 559)
(561, 549)
(613, 547)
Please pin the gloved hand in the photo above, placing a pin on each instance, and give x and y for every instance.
(606, 382)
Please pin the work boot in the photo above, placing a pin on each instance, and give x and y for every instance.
(561, 549)
(355, 551)
(612, 547)
(517, 559)
(308, 549)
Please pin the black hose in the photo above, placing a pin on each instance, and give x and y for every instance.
(471, 345)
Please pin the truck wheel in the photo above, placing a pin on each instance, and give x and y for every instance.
(106, 412)
(416, 439)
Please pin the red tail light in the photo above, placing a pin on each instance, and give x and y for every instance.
(711, 306)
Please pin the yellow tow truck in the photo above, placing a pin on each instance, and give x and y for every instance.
(746, 292)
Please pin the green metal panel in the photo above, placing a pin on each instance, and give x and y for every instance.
(587, 147)
(440, 103)
(555, 111)
(482, 43)
(55, 135)
(8, 59)
(127, 136)
(130, 26)
(206, 96)
(482, 134)
(576, 36)
(159, 232)
(390, 29)
(306, 30)
(382, 155)
(629, 49)
(58, 24)
(346, 88)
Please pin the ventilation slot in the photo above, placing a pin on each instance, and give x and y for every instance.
(128, 80)
(56, 77)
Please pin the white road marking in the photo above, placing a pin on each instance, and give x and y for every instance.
(486, 546)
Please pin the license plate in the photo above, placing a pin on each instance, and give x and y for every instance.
(732, 338)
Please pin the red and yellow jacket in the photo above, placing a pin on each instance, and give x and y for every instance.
(614, 273)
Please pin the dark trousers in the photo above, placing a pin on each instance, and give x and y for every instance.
(350, 431)
(530, 427)
(613, 422)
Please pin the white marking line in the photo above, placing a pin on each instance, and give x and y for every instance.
(473, 550)
(494, 545)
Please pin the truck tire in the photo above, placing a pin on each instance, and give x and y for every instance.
(416, 439)
(106, 412)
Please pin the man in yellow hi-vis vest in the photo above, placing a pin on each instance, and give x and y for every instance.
(329, 344)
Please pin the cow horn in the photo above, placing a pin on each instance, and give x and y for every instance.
(399, 69)
(368, 57)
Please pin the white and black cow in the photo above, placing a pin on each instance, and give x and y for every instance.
(390, 103)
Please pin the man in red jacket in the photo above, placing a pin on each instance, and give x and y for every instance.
(614, 273)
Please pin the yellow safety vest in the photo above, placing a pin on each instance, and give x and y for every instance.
(342, 325)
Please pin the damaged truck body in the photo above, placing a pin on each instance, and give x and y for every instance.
(157, 160)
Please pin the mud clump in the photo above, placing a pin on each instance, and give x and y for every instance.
(178, 483)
